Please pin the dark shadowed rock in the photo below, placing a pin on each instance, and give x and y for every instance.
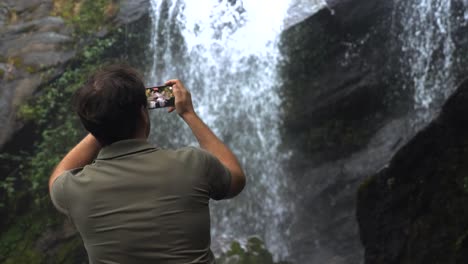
(338, 76)
(414, 211)
(347, 112)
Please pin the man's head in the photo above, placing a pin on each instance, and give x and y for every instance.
(112, 104)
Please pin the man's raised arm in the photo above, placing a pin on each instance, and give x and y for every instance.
(206, 138)
(82, 154)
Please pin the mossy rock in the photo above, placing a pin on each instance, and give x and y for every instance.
(254, 253)
(32, 69)
(15, 61)
(87, 16)
(363, 187)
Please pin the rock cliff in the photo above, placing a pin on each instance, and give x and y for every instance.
(348, 107)
(338, 74)
(38, 38)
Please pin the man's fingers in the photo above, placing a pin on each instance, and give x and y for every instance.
(176, 84)
(171, 82)
(176, 90)
(170, 109)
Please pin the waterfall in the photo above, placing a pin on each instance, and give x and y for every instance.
(465, 13)
(428, 50)
(226, 54)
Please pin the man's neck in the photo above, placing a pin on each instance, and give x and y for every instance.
(141, 135)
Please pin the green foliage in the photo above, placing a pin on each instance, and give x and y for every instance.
(86, 16)
(52, 111)
(57, 131)
(31, 69)
(255, 253)
(15, 61)
(24, 201)
(70, 252)
(22, 235)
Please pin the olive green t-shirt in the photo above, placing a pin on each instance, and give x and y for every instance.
(139, 204)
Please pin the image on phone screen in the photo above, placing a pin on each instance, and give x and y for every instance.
(160, 96)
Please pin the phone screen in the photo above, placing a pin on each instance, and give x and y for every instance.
(160, 96)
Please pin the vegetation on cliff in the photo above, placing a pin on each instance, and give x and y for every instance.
(86, 16)
(25, 200)
(32, 230)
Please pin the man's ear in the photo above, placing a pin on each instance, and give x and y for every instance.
(145, 121)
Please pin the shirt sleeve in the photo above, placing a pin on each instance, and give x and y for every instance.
(219, 177)
(57, 193)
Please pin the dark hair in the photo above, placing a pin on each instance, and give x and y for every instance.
(109, 103)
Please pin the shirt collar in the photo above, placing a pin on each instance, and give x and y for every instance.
(124, 147)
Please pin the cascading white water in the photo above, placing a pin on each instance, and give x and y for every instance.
(302, 9)
(429, 51)
(465, 14)
(226, 54)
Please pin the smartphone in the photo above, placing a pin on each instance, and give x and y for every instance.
(160, 96)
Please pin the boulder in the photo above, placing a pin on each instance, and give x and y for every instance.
(414, 211)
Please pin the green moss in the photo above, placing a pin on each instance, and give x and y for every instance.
(465, 184)
(31, 69)
(57, 129)
(67, 251)
(461, 240)
(2, 73)
(27, 256)
(255, 253)
(86, 16)
(366, 183)
(17, 244)
(15, 61)
(26, 112)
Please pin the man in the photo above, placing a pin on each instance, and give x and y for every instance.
(132, 202)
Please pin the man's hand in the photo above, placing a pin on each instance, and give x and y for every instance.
(183, 99)
(206, 138)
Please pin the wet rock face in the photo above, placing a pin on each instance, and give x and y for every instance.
(346, 114)
(132, 10)
(414, 211)
(35, 47)
(339, 77)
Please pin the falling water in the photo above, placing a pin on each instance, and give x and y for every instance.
(301, 9)
(226, 54)
(429, 51)
(465, 14)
